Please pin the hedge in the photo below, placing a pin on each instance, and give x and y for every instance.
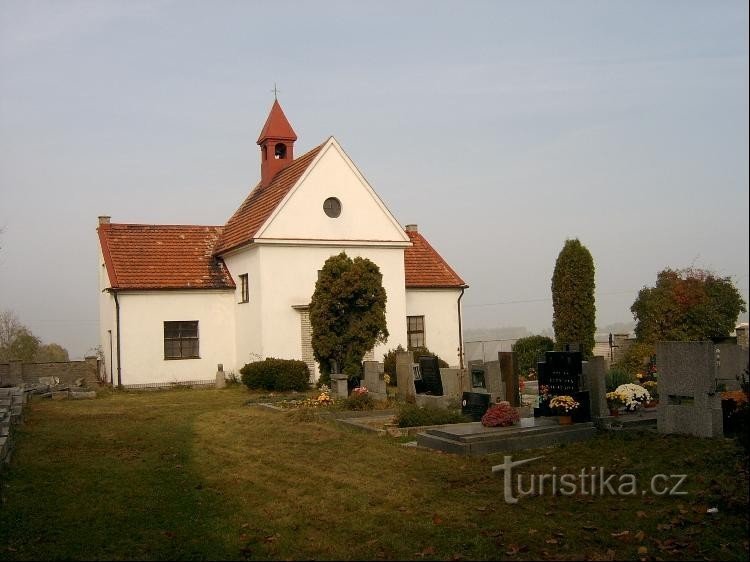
(276, 374)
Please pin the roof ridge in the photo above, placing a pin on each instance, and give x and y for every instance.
(261, 202)
(165, 225)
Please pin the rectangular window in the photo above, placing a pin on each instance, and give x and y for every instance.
(181, 340)
(244, 288)
(415, 331)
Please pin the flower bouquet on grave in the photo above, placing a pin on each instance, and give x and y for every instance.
(564, 406)
(615, 401)
(500, 415)
(652, 387)
(635, 396)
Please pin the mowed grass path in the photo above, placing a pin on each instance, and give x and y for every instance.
(200, 475)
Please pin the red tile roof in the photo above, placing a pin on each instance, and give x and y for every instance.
(261, 203)
(145, 256)
(425, 268)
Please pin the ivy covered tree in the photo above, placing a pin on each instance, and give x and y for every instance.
(687, 305)
(528, 350)
(574, 318)
(347, 314)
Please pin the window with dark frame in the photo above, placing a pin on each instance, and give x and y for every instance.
(415, 331)
(181, 340)
(244, 288)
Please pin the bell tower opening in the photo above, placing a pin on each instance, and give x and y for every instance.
(279, 151)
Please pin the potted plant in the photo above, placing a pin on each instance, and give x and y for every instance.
(564, 406)
(653, 389)
(635, 396)
(615, 401)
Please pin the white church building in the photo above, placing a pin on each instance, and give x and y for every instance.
(177, 300)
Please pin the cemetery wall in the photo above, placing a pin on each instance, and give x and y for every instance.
(16, 372)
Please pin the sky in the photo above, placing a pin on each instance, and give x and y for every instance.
(500, 128)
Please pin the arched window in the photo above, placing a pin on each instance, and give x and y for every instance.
(264, 149)
(280, 151)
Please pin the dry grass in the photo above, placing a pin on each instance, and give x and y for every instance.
(201, 475)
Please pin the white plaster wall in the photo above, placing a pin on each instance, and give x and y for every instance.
(142, 316)
(288, 276)
(440, 310)
(107, 322)
(363, 215)
(248, 319)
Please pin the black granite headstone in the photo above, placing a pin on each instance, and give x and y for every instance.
(475, 404)
(431, 382)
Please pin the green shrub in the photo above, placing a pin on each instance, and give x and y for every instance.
(411, 415)
(389, 361)
(530, 350)
(617, 376)
(276, 374)
(357, 402)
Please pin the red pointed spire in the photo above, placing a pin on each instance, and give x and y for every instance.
(276, 142)
(277, 126)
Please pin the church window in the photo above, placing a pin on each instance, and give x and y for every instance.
(279, 151)
(244, 288)
(181, 340)
(332, 207)
(415, 331)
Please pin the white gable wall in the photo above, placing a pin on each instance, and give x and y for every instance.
(440, 310)
(248, 316)
(142, 317)
(332, 174)
(288, 276)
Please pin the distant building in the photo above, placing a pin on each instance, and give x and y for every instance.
(176, 300)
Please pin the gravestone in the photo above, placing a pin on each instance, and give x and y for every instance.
(731, 362)
(689, 401)
(339, 385)
(374, 381)
(451, 379)
(594, 381)
(431, 383)
(221, 381)
(494, 380)
(509, 370)
(561, 373)
(405, 376)
(475, 404)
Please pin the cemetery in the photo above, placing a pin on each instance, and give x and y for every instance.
(233, 473)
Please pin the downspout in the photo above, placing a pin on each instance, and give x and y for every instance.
(460, 332)
(117, 323)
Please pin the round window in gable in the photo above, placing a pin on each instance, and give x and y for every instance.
(332, 207)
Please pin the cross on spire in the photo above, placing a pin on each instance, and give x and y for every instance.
(275, 91)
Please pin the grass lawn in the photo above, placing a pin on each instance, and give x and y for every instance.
(197, 474)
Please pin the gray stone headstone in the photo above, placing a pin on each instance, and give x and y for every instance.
(339, 385)
(374, 381)
(689, 401)
(451, 383)
(405, 376)
(731, 362)
(221, 380)
(494, 379)
(594, 380)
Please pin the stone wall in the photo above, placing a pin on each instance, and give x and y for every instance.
(16, 373)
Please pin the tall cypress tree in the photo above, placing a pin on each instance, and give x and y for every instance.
(574, 319)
